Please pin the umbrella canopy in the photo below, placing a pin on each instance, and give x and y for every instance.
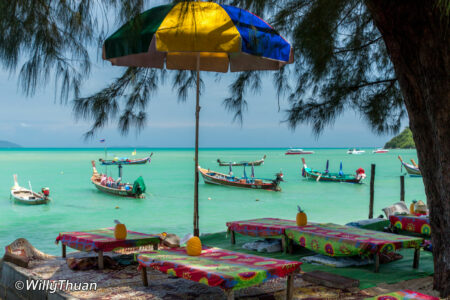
(221, 37)
(200, 36)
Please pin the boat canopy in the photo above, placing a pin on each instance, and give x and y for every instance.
(139, 184)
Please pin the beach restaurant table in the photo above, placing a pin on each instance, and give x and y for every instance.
(337, 240)
(103, 240)
(411, 223)
(263, 227)
(225, 269)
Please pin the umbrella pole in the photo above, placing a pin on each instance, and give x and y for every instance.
(197, 116)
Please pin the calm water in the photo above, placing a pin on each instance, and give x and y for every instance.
(168, 205)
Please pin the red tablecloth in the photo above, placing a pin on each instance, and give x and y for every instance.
(217, 267)
(264, 227)
(411, 223)
(104, 240)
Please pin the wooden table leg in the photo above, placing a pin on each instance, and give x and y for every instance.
(144, 276)
(155, 246)
(233, 237)
(290, 246)
(283, 243)
(377, 262)
(290, 286)
(100, 260)
(63, 250)
(230, 295)
(416, 258)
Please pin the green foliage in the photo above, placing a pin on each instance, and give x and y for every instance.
(46, 37)
(340, 64)
(444, 5)
(402, 141)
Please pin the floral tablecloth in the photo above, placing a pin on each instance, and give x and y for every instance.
(411, 223)
(104, 240)
(337, 240)
(403, 295)
(264, 227)
(217, 267)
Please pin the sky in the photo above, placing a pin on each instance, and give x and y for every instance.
(41, 120)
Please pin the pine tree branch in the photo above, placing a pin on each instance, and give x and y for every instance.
(345, 50)
(356, 87)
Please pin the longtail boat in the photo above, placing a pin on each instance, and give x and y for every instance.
(116, 187)
(336, 177)
(27, 196)
(212, 177)
(242, 163)
(125, 161)
(412, 169)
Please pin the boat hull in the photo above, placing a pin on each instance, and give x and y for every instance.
(298, 153)
(210, 179)
(380, 151)
(139, 161)
(330, 177)
(246, 163)
(412, 171)
(253, 163)
(21, 200)
(117, 192)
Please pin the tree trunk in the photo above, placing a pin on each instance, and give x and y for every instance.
(416, 34)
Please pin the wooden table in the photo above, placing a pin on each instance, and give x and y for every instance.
(103, 240)
(337, 240)
(263, 227)
(225, 269)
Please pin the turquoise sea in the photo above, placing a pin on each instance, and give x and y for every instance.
(168, 205)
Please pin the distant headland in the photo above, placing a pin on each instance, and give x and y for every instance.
(402, 141)
(6, 144)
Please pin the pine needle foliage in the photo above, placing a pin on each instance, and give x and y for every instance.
(45, 37)
(340, 64)
(340, 61)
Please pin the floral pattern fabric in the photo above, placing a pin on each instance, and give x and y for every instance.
(411, 223)
(104, 240)
(264, 227)
(337, 240)
(404, 295)
(217, 267)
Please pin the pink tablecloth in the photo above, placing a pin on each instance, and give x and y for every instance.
(104, 240)
(264, 227)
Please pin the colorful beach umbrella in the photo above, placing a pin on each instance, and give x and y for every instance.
(199, 36)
